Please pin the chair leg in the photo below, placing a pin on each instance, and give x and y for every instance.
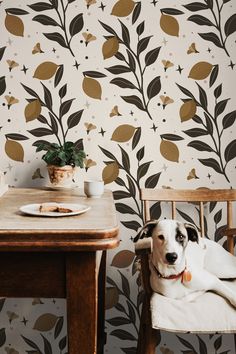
(147, 339)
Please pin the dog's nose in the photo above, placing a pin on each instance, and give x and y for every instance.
(171, 257)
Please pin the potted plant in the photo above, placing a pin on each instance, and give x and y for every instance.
(61, 161)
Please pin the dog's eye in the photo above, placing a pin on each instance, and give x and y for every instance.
(161, 237)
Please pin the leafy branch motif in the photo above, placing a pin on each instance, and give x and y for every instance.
(133, 63)
(213, 125)
(217, 343)
(128, 314)
(53, 322)
(68, 30)
(132, 183)
(53, 124)
(216, 8)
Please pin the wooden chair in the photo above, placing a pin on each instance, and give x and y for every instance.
(148, 337)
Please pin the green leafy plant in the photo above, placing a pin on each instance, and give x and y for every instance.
(67, 154)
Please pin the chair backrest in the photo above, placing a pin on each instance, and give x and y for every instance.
(199, 196)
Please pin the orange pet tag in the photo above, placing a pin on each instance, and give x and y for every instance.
(187, 276)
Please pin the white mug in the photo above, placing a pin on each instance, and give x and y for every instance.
(93, 188)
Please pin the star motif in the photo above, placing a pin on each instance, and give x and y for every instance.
(102, 6)
(164, 167)
(102, 132)
(9, 41)
(24, 69)
(76, 65)
(209, 50)
(54, 50)
(164, 41)
(24, 321)
(9, 167)
(209, 176)
(131, 113)
(154, 2)
(180, 69)
(87, 105)
(154, 128)
(232, 65)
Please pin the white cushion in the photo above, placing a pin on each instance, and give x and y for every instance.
(208, 313)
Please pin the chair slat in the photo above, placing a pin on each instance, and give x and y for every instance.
(146, 210)
(173, 212)
(201, 219)
(230, 239)
(187, 195)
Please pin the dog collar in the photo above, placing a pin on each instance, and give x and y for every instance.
(173, 276)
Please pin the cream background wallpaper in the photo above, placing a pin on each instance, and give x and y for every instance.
(148, 89)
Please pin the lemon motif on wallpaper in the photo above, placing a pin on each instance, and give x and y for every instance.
(92, 88)
(169, 25)
(32, 110)
(14, 25)
(110, 47)
(110, 172)
(45, 70)
(200, 70)
(123, 133)
(169, 150)
(123, 259)
(14, 150)
(188, 110)
(46, 322)
(123, 8)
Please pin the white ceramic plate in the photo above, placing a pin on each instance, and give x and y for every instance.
(33, 209)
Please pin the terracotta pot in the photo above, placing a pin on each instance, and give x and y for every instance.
(61, 176)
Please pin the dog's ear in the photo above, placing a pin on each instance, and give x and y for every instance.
(192, 232)
(146, 230)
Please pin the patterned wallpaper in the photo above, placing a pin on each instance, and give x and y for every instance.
(147, 89)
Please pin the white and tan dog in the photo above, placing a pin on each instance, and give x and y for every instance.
(184, 265)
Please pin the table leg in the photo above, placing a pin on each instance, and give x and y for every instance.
(101, 304)
(82, 297)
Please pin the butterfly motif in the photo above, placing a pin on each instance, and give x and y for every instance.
(89, 163)
(192, 174)
(37, 49)
(89, 127)
(89, 37)
(10, 101)
(90, 2)
(37, 301)
(115, 112)
(167, 64)
(166, 100)
(12, 64)
(12, 316)
(37, 174)
(192, 49)
(166, 350)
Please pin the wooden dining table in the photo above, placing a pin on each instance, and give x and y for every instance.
(60, 257)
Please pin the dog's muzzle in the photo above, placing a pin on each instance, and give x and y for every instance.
(171, 257)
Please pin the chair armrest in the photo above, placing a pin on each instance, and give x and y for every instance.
(143, 246)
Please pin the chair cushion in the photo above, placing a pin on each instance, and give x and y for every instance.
(208, 313)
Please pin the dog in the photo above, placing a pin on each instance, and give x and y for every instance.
(184, 265)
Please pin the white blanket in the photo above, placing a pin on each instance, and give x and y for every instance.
(208, 313)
